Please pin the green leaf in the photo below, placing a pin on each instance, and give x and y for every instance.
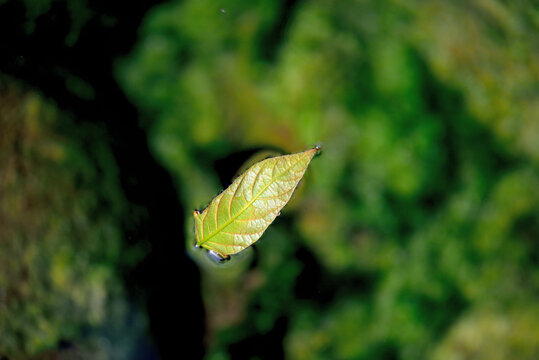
(238, 216)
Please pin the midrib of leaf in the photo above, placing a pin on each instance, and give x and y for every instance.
(254, 198)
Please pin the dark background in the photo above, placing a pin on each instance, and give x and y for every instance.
(40, 60)
(414, 235)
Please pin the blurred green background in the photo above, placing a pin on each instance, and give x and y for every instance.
(415, 235)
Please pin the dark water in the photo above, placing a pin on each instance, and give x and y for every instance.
(166, 283)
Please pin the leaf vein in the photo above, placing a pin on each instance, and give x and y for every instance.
(256, 178)
(234, 195)
(217, 209)
(258, 218)
(252, 233)
(276, 196)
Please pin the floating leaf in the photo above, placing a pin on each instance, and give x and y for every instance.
(238, 216)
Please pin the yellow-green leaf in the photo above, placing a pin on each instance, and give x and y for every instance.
(238, 216)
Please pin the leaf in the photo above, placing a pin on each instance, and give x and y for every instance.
(238, 216)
